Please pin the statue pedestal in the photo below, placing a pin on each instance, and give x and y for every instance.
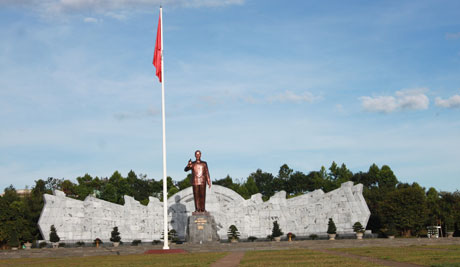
(201, 228)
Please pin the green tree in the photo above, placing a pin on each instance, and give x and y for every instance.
(264, 182)
(185, 183)
(251, 186)
(298, 183)
(449, 205)
(406, 208)
(340, 174)
(85, 186)
(433, 206)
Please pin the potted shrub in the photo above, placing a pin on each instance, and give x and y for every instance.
(233, 234)
(54, 238)
(290, 236)
(276, 232)
(358, 229)
(331, 229)
(115, 237)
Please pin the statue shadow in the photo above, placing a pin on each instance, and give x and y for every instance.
(179, 217)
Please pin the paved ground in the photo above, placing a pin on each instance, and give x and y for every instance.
(227, 247)
(231, 260)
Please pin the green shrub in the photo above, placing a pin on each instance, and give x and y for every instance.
(62, 244)
(252, 238)
(136, 242)
(233, 233)
(53, 235)
(80, 244)
(313, 237)
(115, 235)
(276, 231)
(331, 229)
(42, 244)
(172, 235)
(358, 227)
(270, 237)
(156, 242)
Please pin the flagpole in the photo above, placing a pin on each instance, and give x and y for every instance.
(165, 188)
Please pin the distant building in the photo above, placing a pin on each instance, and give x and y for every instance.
(20, 192)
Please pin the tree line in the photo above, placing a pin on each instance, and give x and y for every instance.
(401, 207)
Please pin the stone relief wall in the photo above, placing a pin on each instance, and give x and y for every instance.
(302, 215)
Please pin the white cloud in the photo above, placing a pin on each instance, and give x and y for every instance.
(451, 36)
(90, 20)
(414, 99)
(289, 96)
(452, 102)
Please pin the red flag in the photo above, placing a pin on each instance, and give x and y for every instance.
(157, 54)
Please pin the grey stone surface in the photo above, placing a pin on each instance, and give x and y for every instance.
(302, 215)
(202, 229)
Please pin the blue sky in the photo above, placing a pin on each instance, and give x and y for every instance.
(252, 83)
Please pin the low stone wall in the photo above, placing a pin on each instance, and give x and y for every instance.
(302, 215)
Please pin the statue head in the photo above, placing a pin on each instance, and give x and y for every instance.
(198, 155)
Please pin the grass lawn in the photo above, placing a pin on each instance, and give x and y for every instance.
(423, 255)
(195, 259)
(297, 257)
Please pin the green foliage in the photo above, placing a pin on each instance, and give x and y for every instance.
(264, 182)
(276, 231)
(80, 244)
(13, 240)
(405, 207)
(233, 232)
(42, 244)
(115, 235)
(252, 238)
(331, 229)
(185, 183)
(358, 227)
(313, 237)
(172, 235)
(53, 235)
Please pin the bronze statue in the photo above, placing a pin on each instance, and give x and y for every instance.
(200, 176)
